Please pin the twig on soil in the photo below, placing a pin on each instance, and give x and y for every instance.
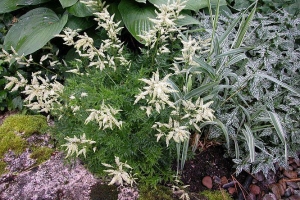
(292, 180)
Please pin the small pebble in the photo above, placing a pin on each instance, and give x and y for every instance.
(288, 192)
(290, 174)
(269, 196)
(254, 189)
(283, 183)
(259, 176)
(224, 180)
(207, 182)
(275, 188)
(231, 190)
(230, 184)
(294, 166)
(293, 185)
(217, 180)
(294, 197)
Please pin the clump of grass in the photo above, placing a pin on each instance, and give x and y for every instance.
(216, 195)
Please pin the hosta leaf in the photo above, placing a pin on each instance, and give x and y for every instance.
(137, 20)
(11, 5)
(194, 5)
(79, 23)
(187, 20)
(34, 30)
(80, 10)
(67, 3)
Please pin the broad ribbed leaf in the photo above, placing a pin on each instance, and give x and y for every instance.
(79, 23)
(194, 5)
(34, 30)
(80, 10)
(187, 20)
(279, 130)
(11, 5)
(67, 3)
(137, 20)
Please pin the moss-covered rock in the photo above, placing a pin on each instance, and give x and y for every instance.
(25, 124)
(13, 133)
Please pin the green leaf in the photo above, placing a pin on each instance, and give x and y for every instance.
(30, 2)
(250, 142)
(176, 95)
(282, 84)
(137, 20)
(194, 5)
(200, 90)
(221, 126)
(279, 130)
(187, 20)
(234, 51)
(229, 29)
(141, 1)
(34, 30)
(80, 10)
(204, 66)
(79, 23)
(67, 3)
(17, 102)
(243, 28)
(11, 5)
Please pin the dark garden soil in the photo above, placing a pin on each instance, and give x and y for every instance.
(210, 162)
(209, 170)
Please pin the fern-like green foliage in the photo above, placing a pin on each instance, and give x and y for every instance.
(135, 141)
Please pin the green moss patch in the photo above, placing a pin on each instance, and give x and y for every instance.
(26, 124)
(2, 167)
(10, 139)
(158, 193)
(216, 195)
(41, 154)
